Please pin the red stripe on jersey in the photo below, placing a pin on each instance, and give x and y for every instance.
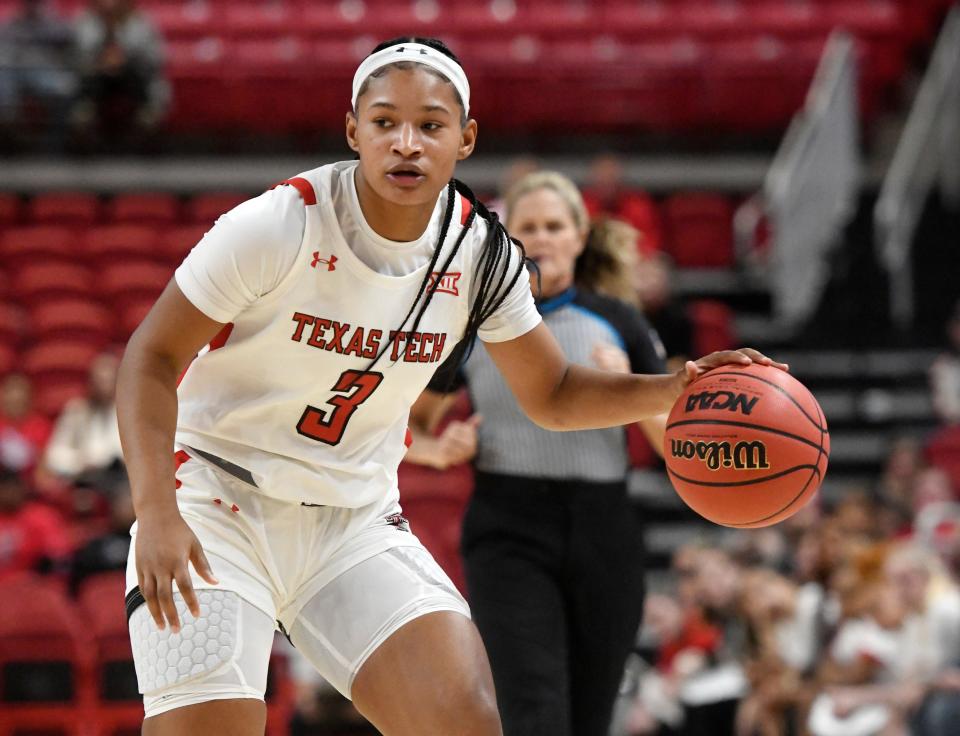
(218, 341)
(464, 210)
(408, 439)
(179, 458)
(303, 186)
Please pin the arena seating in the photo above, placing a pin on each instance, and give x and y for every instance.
(286, 65)
(45, 660)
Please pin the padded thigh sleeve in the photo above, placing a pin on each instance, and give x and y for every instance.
(203, 646)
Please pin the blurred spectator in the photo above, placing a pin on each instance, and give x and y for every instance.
(931, 630)
(120, 56)
(85, 446)
(606, 193)
(781, 646)
(931, 486)
(24, 432)
(667, 315)
(712, 690)
(107, 552)
(945, 374)
(34, 67)
(684, 642)
(895, 488)
(33, 537)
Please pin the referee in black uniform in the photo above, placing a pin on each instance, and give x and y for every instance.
(552, 549)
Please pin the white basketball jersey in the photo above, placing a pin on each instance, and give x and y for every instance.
(286, 389)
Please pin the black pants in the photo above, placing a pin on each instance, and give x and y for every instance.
(555, 577)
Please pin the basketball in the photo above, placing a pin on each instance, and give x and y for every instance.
(746, 446)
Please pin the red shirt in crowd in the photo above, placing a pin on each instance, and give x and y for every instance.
(635, 208)
(23, 439)
(28, 536)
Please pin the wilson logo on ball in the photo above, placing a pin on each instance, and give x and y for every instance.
(716, 455)
(722, 400)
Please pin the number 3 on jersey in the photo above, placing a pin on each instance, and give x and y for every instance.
(317, 425)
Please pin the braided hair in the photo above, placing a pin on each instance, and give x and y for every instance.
(493, 276)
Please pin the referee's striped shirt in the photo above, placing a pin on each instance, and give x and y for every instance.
(509, 443)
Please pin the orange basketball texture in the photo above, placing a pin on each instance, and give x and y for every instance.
(746, 446)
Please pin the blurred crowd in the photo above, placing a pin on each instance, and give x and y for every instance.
(842, 621)
(94, 80)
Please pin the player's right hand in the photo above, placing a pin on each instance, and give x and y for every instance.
(164, 549)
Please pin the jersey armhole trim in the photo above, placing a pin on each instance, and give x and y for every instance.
(465, 210)
(301, 185)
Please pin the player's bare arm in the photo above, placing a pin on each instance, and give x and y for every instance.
(156, 355)
(559, 395)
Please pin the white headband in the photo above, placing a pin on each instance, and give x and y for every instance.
(420, 54)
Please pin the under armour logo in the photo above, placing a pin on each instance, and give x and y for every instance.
(329, 261)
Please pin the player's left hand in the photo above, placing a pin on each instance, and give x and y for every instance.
(693, 369)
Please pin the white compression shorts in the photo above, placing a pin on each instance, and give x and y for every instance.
(339, 582)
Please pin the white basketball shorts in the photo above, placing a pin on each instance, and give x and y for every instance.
(337, 581)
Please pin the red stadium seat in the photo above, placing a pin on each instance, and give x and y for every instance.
(201, 82)
(50, 399)
(943, 451)
(13, 324)
(130, 281)
(259, 20)
(174, 244)
(10, 209)
(133, 314)
(700, 230)
(713, 328)
(119, 242)
(59, 360)
(53, 279)
(150, 208)
(30, 244)
(788, 21)
(335, 19)
(755, 83)
(45, 660)
(119, 705)
(181, 20)
(64, 208)
(709, 20)
(72, 318)
(639, 21)
(134, 277)
(8, 358)
(667, 92)
(204, 209)
(271, 82)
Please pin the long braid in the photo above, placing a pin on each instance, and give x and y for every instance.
(491, 274)
(444, 229)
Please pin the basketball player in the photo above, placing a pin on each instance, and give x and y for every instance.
(317, 313)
